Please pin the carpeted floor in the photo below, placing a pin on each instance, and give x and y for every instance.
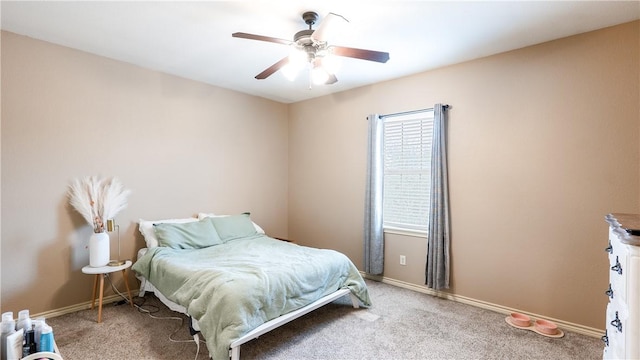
(401, 324)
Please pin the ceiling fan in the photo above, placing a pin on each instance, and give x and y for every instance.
(310, 49)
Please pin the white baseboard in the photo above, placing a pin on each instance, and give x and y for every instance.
(82, 306)
(577, 328)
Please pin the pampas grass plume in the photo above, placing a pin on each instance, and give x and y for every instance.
(98, 199)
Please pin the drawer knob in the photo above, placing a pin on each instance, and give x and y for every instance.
(617, 323)
(609, 292)
(605, 338)
(609, 248)
(617, 267)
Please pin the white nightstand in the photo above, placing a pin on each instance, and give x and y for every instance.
(100, 273)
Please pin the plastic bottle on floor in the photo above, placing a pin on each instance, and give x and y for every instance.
(38, 330)
(24, 321)
(7, 327)
(46, 338)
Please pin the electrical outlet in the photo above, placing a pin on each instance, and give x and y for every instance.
(403, 260)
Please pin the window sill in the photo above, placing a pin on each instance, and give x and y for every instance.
(406, 232)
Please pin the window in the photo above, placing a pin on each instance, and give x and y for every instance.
(407, 170)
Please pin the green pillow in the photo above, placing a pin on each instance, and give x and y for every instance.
(191, 235)
(233, 226)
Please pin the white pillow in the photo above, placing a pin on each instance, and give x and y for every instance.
(206, 215)
(149, 234)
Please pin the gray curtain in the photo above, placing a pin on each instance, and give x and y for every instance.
(437, 272)
(373, 233)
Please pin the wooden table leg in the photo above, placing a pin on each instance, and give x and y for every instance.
(101, 295)
(93, 295)
(126, 283)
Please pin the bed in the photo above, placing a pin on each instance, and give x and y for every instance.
(235, 282)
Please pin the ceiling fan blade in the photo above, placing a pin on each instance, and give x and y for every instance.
(328, 26)
(332, 79)
(261, 38)
(272, 69)
(370, 55)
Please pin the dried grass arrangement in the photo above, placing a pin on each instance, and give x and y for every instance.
(98, 199)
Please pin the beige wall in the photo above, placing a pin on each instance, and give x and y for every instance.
(179, 145)
(543, 143)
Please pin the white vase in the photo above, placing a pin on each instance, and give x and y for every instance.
(99, 249)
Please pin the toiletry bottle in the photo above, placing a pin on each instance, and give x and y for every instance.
(37, 327)
(29, 346)
(7, 327)
(14, 345)
(24, 321)
(46, 338)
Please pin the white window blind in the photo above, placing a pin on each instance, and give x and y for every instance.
(407, 170)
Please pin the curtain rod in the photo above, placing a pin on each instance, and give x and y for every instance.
(446, 106)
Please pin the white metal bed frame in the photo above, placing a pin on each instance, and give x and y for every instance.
(234, 347)
(234, 351)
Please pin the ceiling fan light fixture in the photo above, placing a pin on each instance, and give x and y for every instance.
(298, 60)
(298, 57)
(331, 63)
(319, 75)
(290, 72)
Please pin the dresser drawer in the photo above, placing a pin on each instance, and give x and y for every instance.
(616, 330)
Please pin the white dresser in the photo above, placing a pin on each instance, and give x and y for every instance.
(622, 336)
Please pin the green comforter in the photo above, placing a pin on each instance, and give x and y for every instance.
(235, 287)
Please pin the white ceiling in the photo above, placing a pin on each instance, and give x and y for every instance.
(193, 39)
